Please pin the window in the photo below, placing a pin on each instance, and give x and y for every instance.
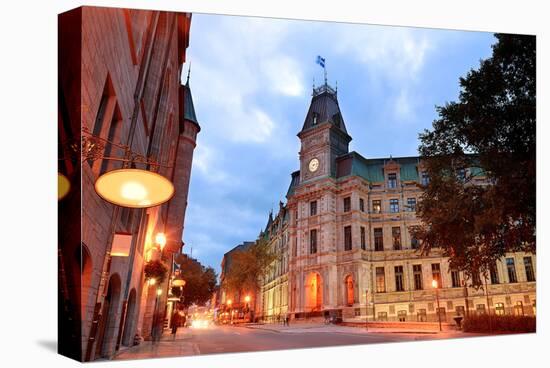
(313, 241)
(376, 206)
(518, 309)
(417, 272)
(421, 315)
(425, 178)
(436, 274)
(529, 272)
(314, 118)
(480, 309)
(313, 208)
(347, 238)
(461, 175)
(476, 280)
(411, 205)
(511, 267)
(499, 309)
(442, 314)
(414, 242)
(402, 315)
(378, 239)
(392, 180)
(459, 310)
(399, 278)
(361, 205)
(494, 274)
(455, 278)
(396, 237)
(347, 204)
(380, 280)
(382, 316)
(363, 238)
(394, 205)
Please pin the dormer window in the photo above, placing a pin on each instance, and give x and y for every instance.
(392, 180)
(314, 118)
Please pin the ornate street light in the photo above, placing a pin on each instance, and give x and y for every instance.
(160, 240)
(178, 282)
(435, 285)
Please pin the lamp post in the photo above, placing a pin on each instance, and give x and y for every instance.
(436, 286)
(366, 309)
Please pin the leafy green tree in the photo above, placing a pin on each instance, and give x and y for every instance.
(200, 281)
(248, 266)
(491, 128)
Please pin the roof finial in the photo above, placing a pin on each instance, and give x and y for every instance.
(188, 73)
(313, 84)
(325, 69)
(336, 92)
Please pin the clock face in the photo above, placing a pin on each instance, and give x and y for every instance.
(313, 165)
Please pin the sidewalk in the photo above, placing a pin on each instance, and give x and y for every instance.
(298, 327)
(166, 347)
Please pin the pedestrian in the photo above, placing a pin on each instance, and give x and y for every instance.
(287, 319)
(176, 319)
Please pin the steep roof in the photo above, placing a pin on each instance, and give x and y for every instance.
(188, 106)
(324, 108)
(372, 170)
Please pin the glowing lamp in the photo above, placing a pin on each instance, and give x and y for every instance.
(63, 186)
(229, 302)
(152, 281)
(160, 239)
(247, 298)
(134, 188)
(434, 284)
(159, 291)
(178, 282)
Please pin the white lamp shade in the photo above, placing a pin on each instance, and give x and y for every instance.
(134, 188)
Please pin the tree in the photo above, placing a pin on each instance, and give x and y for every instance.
(491, 131)
(200, 281)
(248, 266)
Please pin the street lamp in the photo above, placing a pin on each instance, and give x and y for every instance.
(436, 286)
(160, 240)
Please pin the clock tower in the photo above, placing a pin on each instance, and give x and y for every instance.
(323, 136)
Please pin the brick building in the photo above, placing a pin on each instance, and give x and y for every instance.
(119, 80)
(343, 243)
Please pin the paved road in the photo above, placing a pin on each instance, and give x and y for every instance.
(227, 339)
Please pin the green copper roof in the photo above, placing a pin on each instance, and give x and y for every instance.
(188, 106)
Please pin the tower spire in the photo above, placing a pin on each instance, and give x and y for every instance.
(188, 74)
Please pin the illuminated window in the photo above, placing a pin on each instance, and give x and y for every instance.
(436, 274)
(402, 315)
(396, 237)
(480, 309)
(499, 309)
(376, 206)
(380, 280)
(518, 309)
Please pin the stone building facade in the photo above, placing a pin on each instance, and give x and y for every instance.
(349, 250)
(120, 80)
